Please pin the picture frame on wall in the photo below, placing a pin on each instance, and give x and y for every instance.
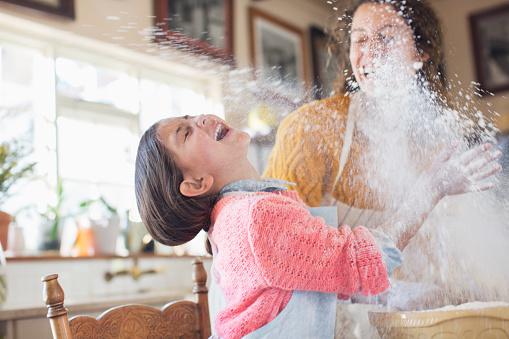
(325, 66)
(200, 26)
(490, 41)
(278, 49)
(63, 8)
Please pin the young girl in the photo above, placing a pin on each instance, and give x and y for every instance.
(279, 268)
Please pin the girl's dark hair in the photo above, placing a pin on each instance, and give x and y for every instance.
(427, 36)
(170, 217)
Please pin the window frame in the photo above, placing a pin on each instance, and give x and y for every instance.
(53, 43)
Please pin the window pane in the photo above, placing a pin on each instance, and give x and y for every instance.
(24, 91)
(96, 151)
(17, 93)
(26, 114)
(87, 82)
(96, 157)
(160, 100)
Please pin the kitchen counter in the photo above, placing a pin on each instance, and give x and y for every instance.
(86, 290)
(52, 256)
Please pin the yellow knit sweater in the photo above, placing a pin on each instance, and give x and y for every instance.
(307, 152)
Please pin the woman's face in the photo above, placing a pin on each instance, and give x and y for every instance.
(382, 47)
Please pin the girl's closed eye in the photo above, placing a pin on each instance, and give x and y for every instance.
(359, 39)
(390, 34)
(386, 39)
(188, 132)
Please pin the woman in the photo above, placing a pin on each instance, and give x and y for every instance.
(327, 148)
(318, 146)
(348, 150)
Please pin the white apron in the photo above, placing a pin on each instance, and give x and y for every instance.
(349, 215)
(352, 318)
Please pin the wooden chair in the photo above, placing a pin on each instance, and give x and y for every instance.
(178, 319)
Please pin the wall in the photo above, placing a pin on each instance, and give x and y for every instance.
(98, 19)
(121, 21)
(102, 20)
(456, 29)
(454, 15)
(299, 13)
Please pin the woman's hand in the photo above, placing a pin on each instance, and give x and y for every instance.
(456, 172)
(453, 172)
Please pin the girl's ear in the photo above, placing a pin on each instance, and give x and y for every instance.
(193, 187)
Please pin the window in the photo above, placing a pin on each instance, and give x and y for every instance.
(26, 119)
(85, 81)
(82, 115)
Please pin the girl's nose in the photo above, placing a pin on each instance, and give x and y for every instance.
(201, 120)
(372, 49)
(377, 48)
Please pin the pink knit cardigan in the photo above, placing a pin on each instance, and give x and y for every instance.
(268, 245)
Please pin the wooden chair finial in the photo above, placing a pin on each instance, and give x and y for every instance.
(199, 277)
(53, 296)
(201, 291)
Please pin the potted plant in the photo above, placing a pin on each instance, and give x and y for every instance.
(104, 222)
(12, 169)
(52, 218)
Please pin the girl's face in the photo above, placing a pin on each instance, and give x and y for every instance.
(381, 41)
(203, 145)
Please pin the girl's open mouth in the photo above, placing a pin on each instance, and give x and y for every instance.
(221, 132)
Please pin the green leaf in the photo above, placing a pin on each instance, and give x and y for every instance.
(12, 166)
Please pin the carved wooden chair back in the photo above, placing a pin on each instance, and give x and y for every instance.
(178, 319)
